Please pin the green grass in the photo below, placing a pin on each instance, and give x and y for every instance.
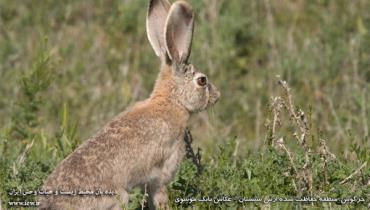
(67, 68)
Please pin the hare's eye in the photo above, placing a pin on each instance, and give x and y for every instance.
(202, 81)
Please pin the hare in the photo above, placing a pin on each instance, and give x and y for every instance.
(144, 145)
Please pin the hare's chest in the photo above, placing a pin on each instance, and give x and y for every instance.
(171, 151)
(175, 150)
(172, 161)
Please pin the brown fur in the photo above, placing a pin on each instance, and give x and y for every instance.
(141, 146)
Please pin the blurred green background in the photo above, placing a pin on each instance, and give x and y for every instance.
(68, 67)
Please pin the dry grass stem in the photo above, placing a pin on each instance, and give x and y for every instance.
(280, 144)
(144, 199)
(299, 118)
(276, 109)
(235, 153)
(325, 155)
(357, 171)
(21, 159)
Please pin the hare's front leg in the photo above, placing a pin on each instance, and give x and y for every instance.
(158, 198)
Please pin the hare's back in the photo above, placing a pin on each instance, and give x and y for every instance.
(130, 142)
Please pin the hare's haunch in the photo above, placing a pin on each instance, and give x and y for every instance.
(142, 146)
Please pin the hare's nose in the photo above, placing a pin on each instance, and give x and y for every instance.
(214, 95)
(217, 96)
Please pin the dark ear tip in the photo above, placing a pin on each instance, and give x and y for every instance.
(183, 7)
(153, 3)
(150, 7)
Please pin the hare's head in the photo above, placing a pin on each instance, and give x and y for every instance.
(170, 32)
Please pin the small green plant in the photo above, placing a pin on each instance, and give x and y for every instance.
(26, 156)
(25, 116)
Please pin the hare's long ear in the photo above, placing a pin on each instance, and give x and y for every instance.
(179, 32)
(155, 25)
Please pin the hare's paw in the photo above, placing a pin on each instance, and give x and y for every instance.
(158, 198)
